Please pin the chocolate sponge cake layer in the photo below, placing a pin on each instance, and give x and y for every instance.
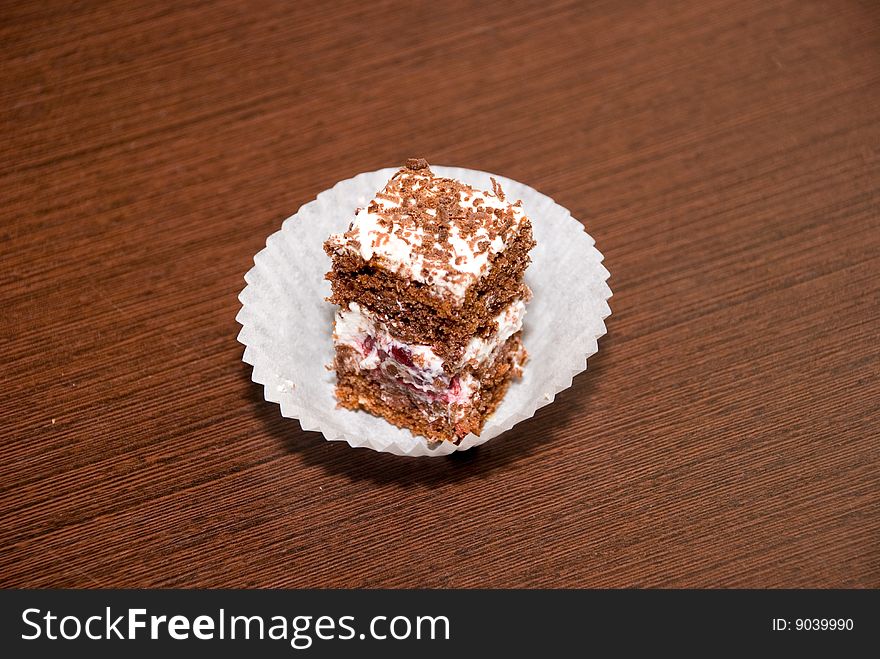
(435, 415)
(415, 314)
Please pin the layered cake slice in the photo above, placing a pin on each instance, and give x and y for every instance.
(429, 281)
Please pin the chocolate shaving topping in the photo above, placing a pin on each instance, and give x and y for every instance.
(496, 188)
(415, 164)
(425, 211)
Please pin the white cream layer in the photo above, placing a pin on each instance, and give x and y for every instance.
(358, 328)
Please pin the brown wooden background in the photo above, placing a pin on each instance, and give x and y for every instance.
(725, 156)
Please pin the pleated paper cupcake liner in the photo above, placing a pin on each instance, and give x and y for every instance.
(287, 324)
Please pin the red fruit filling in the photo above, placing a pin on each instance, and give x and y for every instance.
(402, 355)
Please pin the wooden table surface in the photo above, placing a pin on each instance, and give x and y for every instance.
(725, 156)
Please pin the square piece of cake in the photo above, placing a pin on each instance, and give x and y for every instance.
(429, 281)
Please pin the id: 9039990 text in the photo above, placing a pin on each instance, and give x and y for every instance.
(813, 624)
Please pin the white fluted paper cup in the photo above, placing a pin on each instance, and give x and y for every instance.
(287, 324)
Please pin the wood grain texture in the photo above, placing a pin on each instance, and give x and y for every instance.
(725, 156)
